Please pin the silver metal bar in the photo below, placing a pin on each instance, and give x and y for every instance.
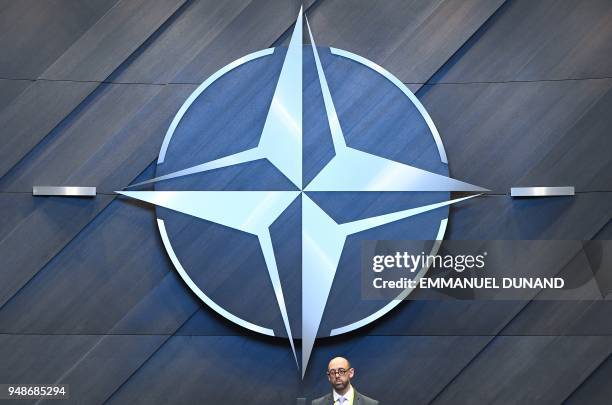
(541, 191)
(64, 191)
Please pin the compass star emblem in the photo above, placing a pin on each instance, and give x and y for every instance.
(254, 212)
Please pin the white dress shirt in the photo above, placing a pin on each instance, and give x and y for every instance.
(345, 399)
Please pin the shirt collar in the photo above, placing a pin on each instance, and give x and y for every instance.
(348, 395)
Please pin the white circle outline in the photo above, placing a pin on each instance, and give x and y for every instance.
(170, 133)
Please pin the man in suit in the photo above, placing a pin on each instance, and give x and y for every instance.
(339, 374)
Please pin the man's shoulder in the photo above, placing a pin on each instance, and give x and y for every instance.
(360, 399)
(364, 400)
(324, 400)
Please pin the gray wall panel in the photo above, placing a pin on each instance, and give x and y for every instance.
(605, 232)
(165, 308)
(106, 365)
(40, 358)
(93, 57)
(597, 389)
(200, 366)
(10, 89)
(33, 114)
(227, 30)
(53, 162)
(526, 134)
(93, 366)
(411, 39)
(533, 369)
(196, 370)
(543, 40)
(95, 281)
(111, 40)
(49, 224)
(583, 316)
(120, 125)
(35, 33)
(580, 318)
(500, 217)
(257, 27)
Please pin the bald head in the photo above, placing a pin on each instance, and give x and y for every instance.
(338, 362)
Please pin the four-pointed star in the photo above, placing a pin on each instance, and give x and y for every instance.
(323, 238)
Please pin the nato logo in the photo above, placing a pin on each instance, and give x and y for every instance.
(276, 168)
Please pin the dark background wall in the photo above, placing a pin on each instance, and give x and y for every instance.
(521, 92)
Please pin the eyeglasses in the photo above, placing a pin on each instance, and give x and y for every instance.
(341, 372)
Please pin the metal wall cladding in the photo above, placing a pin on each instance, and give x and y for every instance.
(519, 90)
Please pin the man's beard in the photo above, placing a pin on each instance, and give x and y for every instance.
(340, 385)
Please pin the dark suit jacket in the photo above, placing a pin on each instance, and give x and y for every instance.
(359, 399)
